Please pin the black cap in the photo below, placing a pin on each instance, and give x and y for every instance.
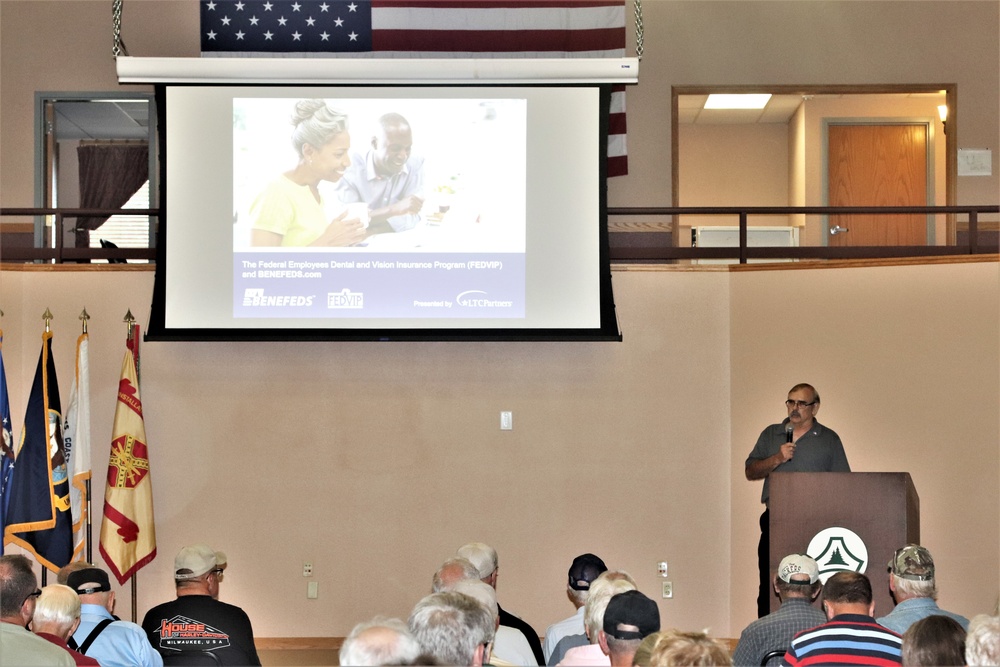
(631, 609)
(584, 570)
(89, 580)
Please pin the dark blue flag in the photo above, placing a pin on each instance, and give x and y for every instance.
(38, 516)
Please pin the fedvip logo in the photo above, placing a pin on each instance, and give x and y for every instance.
(836, 550)
(345, 298)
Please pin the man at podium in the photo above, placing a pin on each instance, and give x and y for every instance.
(798, 444)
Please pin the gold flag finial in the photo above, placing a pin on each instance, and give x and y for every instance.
(47, 316)
(83, 318)
(130, 321)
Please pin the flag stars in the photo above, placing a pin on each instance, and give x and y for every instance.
(211, 34)
(352, 7)
(226, 20)
(353, 36)
(325, 36)
(268, 35)
(339, 22)
(297, 36)
(310, 21)
(240, 34)
(296, 7)
(282, 21)
(267, 6)
(210, 6)
(254, 20)
(324, 7)
(239, 6)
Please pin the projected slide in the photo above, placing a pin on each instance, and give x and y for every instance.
(379, 207)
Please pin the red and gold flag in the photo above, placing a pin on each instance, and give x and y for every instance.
(128, 536)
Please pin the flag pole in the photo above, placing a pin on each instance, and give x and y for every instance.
(130, 321)
(47, 318)
(84, 316)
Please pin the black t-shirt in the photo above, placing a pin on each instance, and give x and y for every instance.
(199, 623)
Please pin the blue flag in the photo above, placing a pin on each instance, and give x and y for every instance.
(6, 444)
(38, 516)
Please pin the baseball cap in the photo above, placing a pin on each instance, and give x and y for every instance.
(631, 609)
(193, 561)
(584, 570)
(912, 562)
(89, 580)
(798, 564)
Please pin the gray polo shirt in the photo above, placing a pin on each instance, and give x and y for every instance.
(819, 450)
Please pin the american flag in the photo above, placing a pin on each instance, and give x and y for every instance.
(426, 29)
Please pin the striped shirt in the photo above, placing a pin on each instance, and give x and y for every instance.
(848, 639)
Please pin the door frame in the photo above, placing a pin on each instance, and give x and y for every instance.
(929, 146)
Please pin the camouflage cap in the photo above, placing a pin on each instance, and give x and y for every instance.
(912, 562)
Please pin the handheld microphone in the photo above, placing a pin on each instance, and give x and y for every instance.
(788, 432)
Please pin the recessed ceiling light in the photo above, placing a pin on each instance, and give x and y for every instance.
(737, 101)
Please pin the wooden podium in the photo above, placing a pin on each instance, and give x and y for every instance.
(882, 508)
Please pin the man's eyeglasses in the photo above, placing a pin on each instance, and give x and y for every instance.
(37, 593)
(798, 404)
(218, 572)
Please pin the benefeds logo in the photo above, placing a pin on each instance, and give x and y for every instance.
(257, 298)
(475, 298)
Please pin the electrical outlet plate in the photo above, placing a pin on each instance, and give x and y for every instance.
(506, 421)
(312, 590)
(307, 569)
(668, 589)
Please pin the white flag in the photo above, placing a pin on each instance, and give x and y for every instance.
(76, 436)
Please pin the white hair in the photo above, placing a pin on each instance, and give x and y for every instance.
(602, 589)
(444, 579)
(982, 642)
(450, 627)
(380, 641)
(58, 606)
(911, 588)
(481, 592)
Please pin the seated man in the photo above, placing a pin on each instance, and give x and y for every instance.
(510, 648)
(568, 642)
(797, 585)
(380, 641)
(914, 588)
(19, 592)
(452, 629)
(389, 178)
(196, 620)
(603, 589)
(851, 636)
(629, 618)
(57, 613)
(113, 642)
(582, 572)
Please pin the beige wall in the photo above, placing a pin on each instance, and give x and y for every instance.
(375, 461)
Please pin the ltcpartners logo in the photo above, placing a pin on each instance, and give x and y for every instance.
(345, 298)
(475, 298)
(256, 297)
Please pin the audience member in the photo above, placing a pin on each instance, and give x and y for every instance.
(603, 589)
(629, 618)
(674, 648)
(380, 641)
(914, 588)
(18, 595)
(645, 650)
(934, 640)
(510, 648)
(196, 620)
(582, 572)
(101, 635)
(484, 557)
(568, 642)
(62, 577)
(57, 613)
(451, 572)
(452, 629)
(851, 636)
(982, 643)
(797, 586)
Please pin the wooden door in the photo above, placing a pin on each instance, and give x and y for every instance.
(877, 165)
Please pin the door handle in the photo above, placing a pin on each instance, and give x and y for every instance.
(837, 229)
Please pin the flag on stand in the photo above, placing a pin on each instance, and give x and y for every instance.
(38, 517)
(128, 536)
(426, 29)
(6, 445)
(76, 436)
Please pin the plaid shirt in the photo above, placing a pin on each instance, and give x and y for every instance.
(775, 631)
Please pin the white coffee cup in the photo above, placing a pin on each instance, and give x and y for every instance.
(359, 211)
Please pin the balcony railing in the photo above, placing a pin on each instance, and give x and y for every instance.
(656, 242)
